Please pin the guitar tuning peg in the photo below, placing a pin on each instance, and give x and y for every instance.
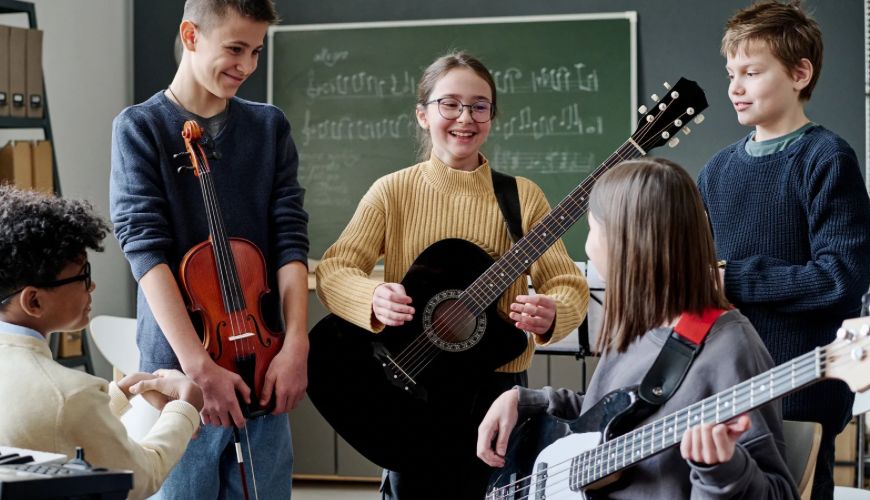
(667, 85)
(673, 142)
(687, 130)
(655, 97)
(699, 118)
(845, 334)
(690, 111)
(865, 330)
(642, 109)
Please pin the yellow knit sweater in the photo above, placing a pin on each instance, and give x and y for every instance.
(406, 211)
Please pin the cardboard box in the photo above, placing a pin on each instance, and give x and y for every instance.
(846, 450)
(15, 164)
(70, 345)
(43, 174)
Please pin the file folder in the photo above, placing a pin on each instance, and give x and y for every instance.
(43, 174)
(4, 71)
(17, 69)
(15, 164)
(33, 65)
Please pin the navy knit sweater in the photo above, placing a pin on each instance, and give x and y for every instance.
(794, 227)
(158, 213)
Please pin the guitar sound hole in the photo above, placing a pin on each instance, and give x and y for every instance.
(450, 325)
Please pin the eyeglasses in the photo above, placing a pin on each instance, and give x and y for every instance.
(451, 108)
(84, 276)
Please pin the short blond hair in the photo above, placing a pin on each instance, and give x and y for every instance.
(787, 31)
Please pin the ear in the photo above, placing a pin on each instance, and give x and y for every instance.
(802, 74)
(188, 32)
(422, 119)
(31, 302)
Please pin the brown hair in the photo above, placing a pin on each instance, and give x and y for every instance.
(206, 13)
(660, 256)
(788, 32)
(430, 78)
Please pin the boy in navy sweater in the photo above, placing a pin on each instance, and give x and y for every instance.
(158, 216)
(788, 209)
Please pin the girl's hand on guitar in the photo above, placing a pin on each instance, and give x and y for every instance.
(390, 304)
(713, 444)
(219, 387)
(496, 427)
(534, 313)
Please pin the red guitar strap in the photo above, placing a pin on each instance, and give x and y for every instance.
(673, 362)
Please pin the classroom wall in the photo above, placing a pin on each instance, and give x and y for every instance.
(88, 78)
(675, 38)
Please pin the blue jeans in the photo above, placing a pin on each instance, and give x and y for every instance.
(209, 470)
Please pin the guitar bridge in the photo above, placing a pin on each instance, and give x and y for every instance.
(395, 373)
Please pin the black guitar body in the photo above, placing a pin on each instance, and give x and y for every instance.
(616, 413)
(368, 387)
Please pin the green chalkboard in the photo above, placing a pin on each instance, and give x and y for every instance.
(566, 91)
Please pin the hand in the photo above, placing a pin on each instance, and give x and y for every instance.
(164, 386)
(497, 425)
(219, 388)
(287, 375)
(390, 304)
(713, 444)
(534, 313)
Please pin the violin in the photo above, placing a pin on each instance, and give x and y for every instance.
(224, 279)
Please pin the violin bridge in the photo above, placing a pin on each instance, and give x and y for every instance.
(241, 336)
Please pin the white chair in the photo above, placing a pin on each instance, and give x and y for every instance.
(844, 493)
(115, 337)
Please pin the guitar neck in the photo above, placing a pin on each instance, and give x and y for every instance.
(643, 442)
(487, 288)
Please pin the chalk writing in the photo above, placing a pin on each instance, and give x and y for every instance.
(527, 162)
(567, 121)
(330, 58)
(361, 84)
(348, 128)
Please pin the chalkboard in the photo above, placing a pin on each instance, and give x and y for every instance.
(566, 99)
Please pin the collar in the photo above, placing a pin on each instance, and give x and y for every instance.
(13, 329)
(446, 179)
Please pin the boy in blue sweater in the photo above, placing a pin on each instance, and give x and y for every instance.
(788, 209)
(158, 215)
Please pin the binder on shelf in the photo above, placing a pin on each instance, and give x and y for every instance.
(33, 83)
(15, 164)
(17, 71)
(4, 71)
(42, 173)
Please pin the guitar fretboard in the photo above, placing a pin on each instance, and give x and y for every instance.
(630, 448)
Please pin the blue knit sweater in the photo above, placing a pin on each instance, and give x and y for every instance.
(158, 213)
(794, 227)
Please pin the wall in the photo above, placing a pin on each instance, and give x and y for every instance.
(87, 63)
(675, 38)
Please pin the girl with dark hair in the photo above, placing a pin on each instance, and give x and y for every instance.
(650, 239)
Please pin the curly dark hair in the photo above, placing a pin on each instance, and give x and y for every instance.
(40, 234)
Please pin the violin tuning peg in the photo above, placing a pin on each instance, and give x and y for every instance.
(666, 85)
(216, 155)
(179, 155)
(699, 118)
(184, 167)
(642, 109)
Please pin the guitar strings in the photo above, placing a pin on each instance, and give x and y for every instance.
(420, 352)
(587, 465)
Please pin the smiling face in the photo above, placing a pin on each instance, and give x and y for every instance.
(765, 94)
(457, 142)
(223, 57)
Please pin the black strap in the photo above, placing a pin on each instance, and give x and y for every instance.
(508, 197)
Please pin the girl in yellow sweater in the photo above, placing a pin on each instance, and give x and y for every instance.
(449, 196)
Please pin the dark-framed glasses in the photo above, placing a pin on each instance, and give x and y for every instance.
(451, 108)
(84, 276)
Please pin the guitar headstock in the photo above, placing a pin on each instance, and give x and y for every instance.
(848, 357)
(681, 104)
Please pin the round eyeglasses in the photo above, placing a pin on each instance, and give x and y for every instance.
(451, 108)
(84, 276)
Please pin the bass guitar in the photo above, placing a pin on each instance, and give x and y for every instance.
(370, 387)
(552, 458)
